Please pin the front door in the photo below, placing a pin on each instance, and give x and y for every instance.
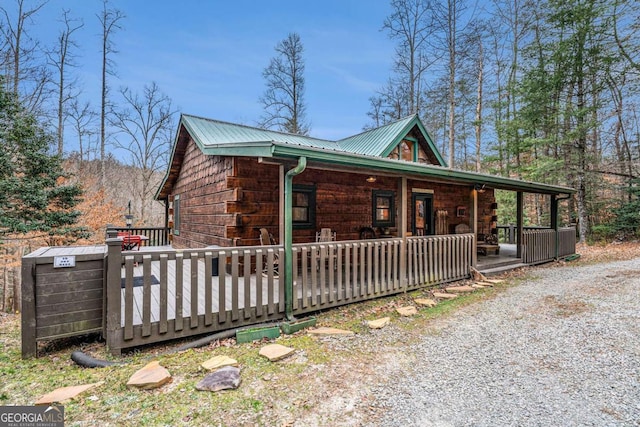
(422, 205)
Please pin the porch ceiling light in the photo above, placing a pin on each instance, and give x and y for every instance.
(479, 188)
(371, 179)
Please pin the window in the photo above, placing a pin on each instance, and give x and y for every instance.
(304, 206)
(407, 151)
(383, 209)
(176, 215)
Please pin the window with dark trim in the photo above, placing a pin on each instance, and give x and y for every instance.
(303, 209)
(176, 215)
(383, 209)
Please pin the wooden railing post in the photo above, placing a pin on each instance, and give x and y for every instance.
(112, 294)
(28, 325)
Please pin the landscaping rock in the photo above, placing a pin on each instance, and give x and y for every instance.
(485, 284)
(217, 362)
(224, 378)
(329, 331)
(153, 375)
(407, 311)
(61, 395)
(426, 302)
(275, 352)
(379, 323)
(444, 295)
(459, 289)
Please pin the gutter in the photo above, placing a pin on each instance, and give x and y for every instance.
(288, 235)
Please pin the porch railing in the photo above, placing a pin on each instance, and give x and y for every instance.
(566, 241)
(155, 295)
(539, 245)
(158, 236)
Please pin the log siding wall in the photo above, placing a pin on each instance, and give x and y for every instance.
(224, 201)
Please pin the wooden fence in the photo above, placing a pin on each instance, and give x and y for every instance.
(157, 294)
(153, 296)
(566, 241)
(539, 245)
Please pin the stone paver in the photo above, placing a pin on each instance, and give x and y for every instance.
(379, 323)
(426, 302)
(217, 362)
(323, 330)
(61, 395)
(444, 295)
(407, 311)
(151, 376)
(275, 352)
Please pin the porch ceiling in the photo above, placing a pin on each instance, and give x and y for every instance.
(372, 165)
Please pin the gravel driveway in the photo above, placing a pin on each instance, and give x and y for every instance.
(561, 349)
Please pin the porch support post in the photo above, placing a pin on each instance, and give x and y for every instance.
(519, 224)
(288, 235)
(554, 222)
(402, 228)
(474, 226)
(281, 209)
(112, 295)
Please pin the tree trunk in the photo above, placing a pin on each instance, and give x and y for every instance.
(478, 121)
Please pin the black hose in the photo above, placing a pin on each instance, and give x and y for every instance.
(87, 361)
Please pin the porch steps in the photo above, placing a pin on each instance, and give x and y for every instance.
(495, 270)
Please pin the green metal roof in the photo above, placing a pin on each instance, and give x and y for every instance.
(210, 132)
(366, 151)
(380, 141)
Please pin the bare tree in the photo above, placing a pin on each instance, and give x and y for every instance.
(145, 128)
(283, 100)
(28, 77)
(110, 22)
(83, 119)
(60, 58)
(410, 25)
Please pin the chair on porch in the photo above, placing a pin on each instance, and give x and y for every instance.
(462, 229)
(327, 235)
(267, 239)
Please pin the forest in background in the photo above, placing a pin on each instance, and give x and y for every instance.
(542, 91)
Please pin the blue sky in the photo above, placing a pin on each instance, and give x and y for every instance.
(208, 56)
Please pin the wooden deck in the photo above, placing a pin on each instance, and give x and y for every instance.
(247, 291)
(170, 293)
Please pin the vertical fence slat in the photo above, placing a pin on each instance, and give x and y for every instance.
(247, 284)
(281, 304)
(305, 277)
(339, 273)
(128, 298)
(235, 315)
(222, 287)
(146, 296)
(208, 288)
(193, 316)
(179, 290)
(163, 327)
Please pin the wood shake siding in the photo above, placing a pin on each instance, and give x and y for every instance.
(203, 196)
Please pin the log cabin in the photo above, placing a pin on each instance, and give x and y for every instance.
(397, 219)
(226, 181)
